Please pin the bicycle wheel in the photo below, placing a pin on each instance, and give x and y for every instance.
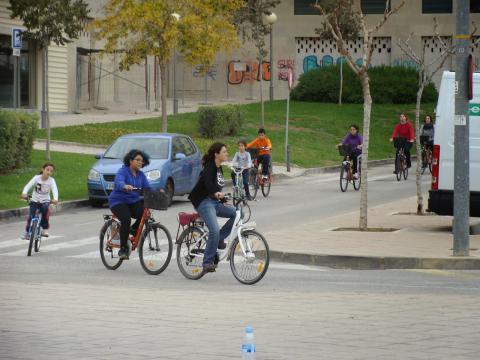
(155, 249)
(266, 187)
(109, 254)
(253, 183)
(357, 182)
(190, 249)
(251, 267)
(398, 168)
(245, 209)
(405, 172)
(33, 234)
(38, 242)
(343, 178)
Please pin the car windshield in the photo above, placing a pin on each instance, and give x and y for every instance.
(156, 148)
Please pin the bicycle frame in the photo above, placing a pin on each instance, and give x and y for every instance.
(146, 216)
(239, 179)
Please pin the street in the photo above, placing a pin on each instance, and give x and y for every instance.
(61, 303)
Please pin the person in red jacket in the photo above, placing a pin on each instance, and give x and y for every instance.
(406, 136)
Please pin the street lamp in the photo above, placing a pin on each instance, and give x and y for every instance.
(270, 19)
(175, 100)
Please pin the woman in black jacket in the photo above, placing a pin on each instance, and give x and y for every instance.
(207, 198)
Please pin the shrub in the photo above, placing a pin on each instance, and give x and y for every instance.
(17, 130)
(388, 84)
(217, 121)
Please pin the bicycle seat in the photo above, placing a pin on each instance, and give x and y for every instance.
(187, 218)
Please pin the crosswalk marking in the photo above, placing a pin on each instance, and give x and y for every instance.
(58, 246)
(19, 242)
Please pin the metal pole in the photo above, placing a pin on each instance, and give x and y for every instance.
(43, 113)
(78, 87)
(287, 157)
(271, 62)
(206, 99)
(175, 100)
(15, 83)
(461, 193)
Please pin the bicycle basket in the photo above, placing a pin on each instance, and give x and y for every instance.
(157, 200)
(253, 153)
(424, 139)
(345, 150)
(399, 142)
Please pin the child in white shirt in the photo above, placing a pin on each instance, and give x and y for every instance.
(243, 160)
(42, 185)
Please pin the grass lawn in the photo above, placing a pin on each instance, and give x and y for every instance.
(314, 129)
(70, 176)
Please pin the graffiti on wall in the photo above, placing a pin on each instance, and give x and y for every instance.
(240, 72)
(405, 63)
(283, 65)
(211, 72)
(313, 62)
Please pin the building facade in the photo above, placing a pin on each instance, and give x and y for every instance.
(80, 78)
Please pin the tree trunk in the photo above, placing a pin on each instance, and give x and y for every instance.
(163, 85)
(46, 103)
(341, 82)
(421, 85)
(367, 109)
(260, 72)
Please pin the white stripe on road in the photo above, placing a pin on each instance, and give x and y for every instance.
(18, 241)
(336, 178)
(59, 246)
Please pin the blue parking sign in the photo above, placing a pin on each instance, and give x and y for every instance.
(16, 38)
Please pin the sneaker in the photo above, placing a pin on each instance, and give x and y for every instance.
(25, 236)
(45, 233)
(123, 254)
(395, 171)
(207, 268)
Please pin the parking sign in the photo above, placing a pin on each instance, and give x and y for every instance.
(16, 38)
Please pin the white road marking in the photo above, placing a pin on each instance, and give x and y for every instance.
(58, 246)
(21, 242)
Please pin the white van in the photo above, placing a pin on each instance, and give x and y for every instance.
(440, 199)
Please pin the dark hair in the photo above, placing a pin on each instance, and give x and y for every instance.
(132, 154)
(261, 131)
(425, 118)
(242, 142)
(215, 148)
(355, 126)
(45, 165)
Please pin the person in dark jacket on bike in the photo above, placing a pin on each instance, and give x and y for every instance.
(208, 199)
(124, 201)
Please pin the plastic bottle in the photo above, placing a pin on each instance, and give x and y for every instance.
(248, 345)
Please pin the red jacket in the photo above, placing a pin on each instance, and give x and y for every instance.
(405, 131)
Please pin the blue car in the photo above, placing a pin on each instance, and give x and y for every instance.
(175, 164)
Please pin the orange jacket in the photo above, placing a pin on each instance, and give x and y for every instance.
(258, 143)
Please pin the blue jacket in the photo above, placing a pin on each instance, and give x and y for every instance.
(125, 177)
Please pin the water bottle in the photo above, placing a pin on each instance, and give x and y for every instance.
(248, 345)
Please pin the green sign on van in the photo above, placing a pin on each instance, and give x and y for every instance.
(474, 109)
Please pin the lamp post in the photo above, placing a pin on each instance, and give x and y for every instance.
(175, 100)
(270, 19)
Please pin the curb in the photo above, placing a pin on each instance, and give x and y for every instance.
(352, 262)
(70, 143)
(23, 211)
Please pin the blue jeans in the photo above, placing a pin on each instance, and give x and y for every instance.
(44, 209)
(209, 209)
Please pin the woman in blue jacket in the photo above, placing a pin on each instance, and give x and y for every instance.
(124, 202)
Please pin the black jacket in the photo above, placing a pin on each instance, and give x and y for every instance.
(211, 180)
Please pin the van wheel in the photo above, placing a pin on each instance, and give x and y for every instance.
(170, 190)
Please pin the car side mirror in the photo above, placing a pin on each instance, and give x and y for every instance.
(179, 156)
(98, 156)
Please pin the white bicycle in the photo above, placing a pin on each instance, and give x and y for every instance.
(247, 250)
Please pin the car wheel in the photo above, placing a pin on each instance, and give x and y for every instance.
(96, 202)
(170, 189)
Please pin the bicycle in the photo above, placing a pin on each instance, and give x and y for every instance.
(427, 156)
(256, 179)
(35, 232)
(246, 250)
(401, 167)
(152, 238)
(239, 193)
(346, 170)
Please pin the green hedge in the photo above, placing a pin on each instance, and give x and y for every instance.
(17, 130)
(217, 121)
(388, 85)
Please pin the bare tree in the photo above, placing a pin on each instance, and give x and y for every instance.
(426, 71)
(336, 14)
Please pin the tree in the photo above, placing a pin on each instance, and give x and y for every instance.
(47, 21)
(426, 71)
(249, 22)
(341, 21)
(141, 28)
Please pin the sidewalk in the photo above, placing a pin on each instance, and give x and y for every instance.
(417, 242)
